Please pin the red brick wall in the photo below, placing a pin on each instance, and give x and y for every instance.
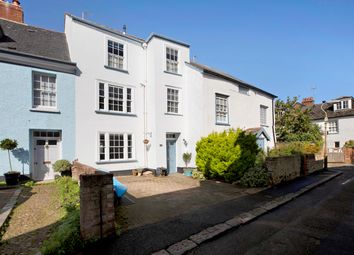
(78, 169)
(11, 12)
(348, 155)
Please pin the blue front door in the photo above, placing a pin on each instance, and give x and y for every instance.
(171, 155)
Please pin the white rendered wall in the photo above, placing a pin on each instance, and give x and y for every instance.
(345, 131)
(146, 68)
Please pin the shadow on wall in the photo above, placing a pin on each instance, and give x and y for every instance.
(22, 155)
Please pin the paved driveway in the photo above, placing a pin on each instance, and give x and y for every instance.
(153, 199)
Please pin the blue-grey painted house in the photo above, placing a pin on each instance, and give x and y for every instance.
(37, 98)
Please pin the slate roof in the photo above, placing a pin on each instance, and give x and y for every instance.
(32, 40)
(229, 77)
(317, 114)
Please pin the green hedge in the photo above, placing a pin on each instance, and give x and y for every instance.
(295, 148)
(65, 239)
(226, 155)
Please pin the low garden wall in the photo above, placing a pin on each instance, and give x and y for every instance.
(348, 155)
(96, 202)
(283, 168)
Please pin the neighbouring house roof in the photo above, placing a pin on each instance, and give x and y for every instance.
(126, 35)
(257, 131)
(105, 28)
(212, 71)
(317, 114)
(34, 41)
(166, 39)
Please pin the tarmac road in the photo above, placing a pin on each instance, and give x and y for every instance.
(319, 222)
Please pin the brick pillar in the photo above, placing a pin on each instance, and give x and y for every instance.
(96, 206)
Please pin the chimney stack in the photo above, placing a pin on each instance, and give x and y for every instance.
(308, 101)
(124, 29)
(11, 11)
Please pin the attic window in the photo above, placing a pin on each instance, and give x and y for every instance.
(342, 105)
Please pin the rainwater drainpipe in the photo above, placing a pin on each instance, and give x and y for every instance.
(144, 45)
(273, 126)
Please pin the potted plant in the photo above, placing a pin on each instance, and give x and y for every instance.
(62, 166)
(187, 156)
(11, 177)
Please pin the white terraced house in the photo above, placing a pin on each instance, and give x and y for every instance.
(143, 103)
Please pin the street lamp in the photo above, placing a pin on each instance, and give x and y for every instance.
(325, 135)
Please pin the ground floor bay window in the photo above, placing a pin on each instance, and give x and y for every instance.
(116, 147)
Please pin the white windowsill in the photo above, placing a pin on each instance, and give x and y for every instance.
(101, 162)
(49, 110)
(116, 69)
(222, 124)
(116, 113)
(178, 74)
(173, 114)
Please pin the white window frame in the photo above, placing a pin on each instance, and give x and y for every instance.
(263, 119)
(218, 112)
(179, 97)
(345, 104)
(106, 97)
(125, 53)
(55, 91)
(171, 62)
(107, 147)
(332, 127)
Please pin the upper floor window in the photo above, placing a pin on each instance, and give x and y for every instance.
(172, 100)
(221, 109)
(171, 60)
(115, 98)
(243, 90)
(345, 105)
(115, 55)
(44, 91)
(115, 146)
(263, 114)
(332, 127)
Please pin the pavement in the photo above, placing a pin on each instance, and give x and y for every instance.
(318, 222)
(190, 230)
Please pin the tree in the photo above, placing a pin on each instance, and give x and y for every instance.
(9, 145)
(187, 156)
(293, 123)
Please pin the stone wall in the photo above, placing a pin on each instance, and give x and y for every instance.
(314, 165)
(78, 169)
(283, 168)
(96, 206)
(348, 155)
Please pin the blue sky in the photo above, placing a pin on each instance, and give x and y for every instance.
(285, 47)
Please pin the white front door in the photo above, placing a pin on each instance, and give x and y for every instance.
(46, 151)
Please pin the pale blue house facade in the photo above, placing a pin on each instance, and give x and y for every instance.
(37, 99)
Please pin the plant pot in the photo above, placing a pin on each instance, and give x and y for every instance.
(187, 171)
(12, 178)
(65, 173)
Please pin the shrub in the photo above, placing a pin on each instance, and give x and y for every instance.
(255, 177)
(62, 165)
(226, 155)
(187, 156)
(9, 145)
(349, 144)
(69, 191)
(294, 148)
(66, 237)
(196, 174)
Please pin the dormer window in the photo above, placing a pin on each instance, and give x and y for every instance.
(345, 105)
(342, 105)
(171, 60)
